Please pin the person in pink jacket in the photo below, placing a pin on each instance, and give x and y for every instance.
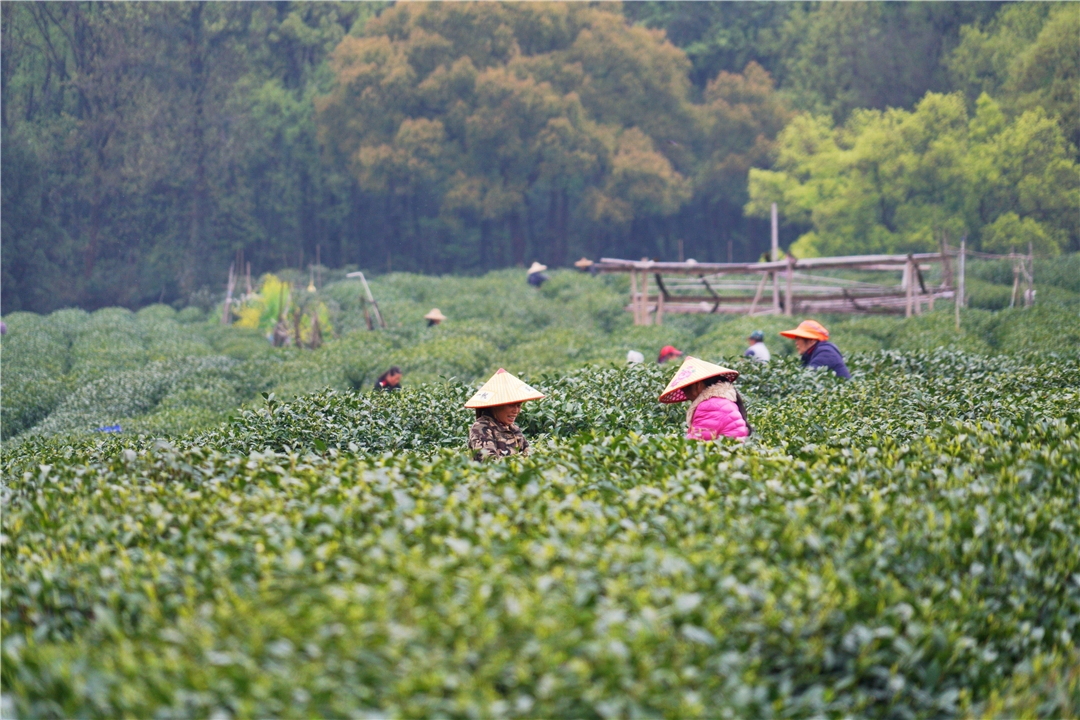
(716, 409)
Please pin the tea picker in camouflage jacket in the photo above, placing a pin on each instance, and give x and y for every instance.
(497, 404)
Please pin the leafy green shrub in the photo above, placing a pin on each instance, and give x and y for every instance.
(900, 545)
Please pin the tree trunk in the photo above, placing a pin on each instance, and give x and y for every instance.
(197, 215)
(517, 237)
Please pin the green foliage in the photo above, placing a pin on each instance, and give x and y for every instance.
(717, 37)
(154, 372)
(898, 545)
(1026, 57)
(147, 146)
(838, 57)
(569, 108)
(898, 181)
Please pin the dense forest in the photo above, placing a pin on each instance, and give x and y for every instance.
(146, 146)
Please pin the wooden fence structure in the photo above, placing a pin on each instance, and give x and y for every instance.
(795, 286)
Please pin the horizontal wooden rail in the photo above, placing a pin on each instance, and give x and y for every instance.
(867, 262)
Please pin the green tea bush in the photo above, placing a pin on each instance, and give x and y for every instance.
(268, 537)
(900, 545)
(494, 321)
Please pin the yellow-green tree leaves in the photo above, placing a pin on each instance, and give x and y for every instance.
(898, 181)
(1027, 57)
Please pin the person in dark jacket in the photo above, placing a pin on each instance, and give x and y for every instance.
(536, 274)
(389, 380)
(812, 341)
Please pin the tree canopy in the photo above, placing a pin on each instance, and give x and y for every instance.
(148, 146)
(560, 128)
(899, 181)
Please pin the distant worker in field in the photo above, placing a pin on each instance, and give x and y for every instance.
(587, 265)
(389, 380)
(812, 341)
(716, 408)
(668, 352)
(434, 317)
(757, 349)
(536, 274)
(633, 357)
(497, 405)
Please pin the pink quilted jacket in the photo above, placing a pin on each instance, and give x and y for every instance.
(714, 413)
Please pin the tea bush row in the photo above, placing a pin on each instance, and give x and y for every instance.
(902, 571)
(495, 320)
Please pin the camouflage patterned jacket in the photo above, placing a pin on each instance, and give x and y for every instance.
(490, 438)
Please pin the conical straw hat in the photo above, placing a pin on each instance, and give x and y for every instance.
(502, 389)
(584, 263)
(435, 314)
(537, 267)
(693, 370)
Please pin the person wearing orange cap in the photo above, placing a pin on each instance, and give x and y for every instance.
(812, 341)
(716, 408)
(667, 353)
(497, 404)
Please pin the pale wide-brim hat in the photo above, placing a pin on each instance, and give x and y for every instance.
(435, 314)
(583, 263)
(537, 267)
(693, 370)
(503, 389)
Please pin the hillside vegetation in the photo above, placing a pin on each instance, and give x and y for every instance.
(165, 372)
(266, 536)
(900, 545)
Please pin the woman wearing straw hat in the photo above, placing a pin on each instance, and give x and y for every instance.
(536, 274)
(812, 341)
(716, 408)
(434, 317)
(497, 404)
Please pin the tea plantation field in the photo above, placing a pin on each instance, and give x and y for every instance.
(903, 545)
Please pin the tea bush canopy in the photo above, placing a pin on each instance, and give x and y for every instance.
(207, 511)
(907, 547)
(265, 535)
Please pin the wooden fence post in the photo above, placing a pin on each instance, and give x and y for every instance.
(774, 256)
(909, 288)
(788, 300)
(922, 288)
(659, 300)
(634, 297)
(959, 292)
(1029, 299)
(644, 299)
(1016, 280)
(757, 295)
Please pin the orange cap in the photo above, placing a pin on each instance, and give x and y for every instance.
(808, 329)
